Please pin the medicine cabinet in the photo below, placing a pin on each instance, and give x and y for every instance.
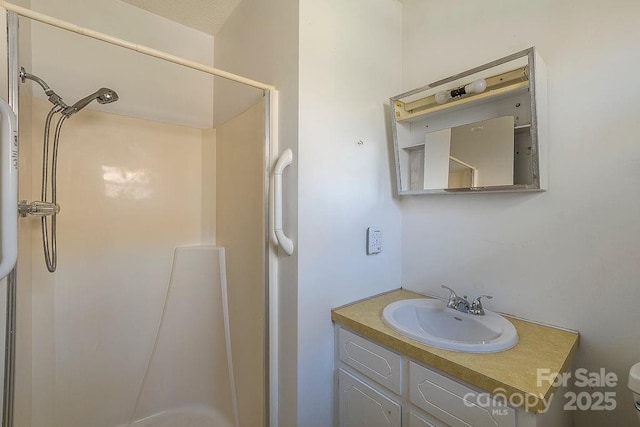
(483, 130)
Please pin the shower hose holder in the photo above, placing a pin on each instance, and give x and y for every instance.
(38, 208)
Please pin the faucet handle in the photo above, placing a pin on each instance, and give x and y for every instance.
(452, 297)
(476, 305)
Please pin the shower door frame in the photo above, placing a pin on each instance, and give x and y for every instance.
(270, 99)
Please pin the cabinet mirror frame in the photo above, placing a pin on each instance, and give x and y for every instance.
(536, 75)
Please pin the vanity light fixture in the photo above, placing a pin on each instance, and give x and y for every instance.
(477, 86)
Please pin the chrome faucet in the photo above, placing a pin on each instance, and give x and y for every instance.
(457, 303)
(476, 305)
(462, 304)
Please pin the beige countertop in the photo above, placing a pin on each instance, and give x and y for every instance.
(510, 372)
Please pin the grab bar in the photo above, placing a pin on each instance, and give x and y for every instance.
(284, 160)
(9, 185)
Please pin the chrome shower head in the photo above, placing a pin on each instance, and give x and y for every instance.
(107, 96)
(103, 96)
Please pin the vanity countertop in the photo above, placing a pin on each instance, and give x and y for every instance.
(511, 372)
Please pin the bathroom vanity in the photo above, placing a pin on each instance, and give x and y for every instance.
(386, 379)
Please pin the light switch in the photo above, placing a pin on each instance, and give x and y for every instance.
(374, 240)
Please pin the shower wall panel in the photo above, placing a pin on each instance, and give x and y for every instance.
(240, 230)
(208, 186)
(130, 192)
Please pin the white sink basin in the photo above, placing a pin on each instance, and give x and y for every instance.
(431, 322)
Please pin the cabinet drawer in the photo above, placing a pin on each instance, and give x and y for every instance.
(454, 403)
(361, 405)
(377, 363)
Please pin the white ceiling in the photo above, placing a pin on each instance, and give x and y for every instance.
(207, 16)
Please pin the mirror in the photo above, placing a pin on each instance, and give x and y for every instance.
(480, 130)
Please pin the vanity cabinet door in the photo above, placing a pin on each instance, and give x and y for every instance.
(362, 406)
(454, 403)
(419, 420)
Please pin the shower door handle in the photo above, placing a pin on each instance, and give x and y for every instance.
(9, 185)
(284, 160)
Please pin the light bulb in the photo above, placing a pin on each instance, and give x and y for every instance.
(442, 97)
(477, 86)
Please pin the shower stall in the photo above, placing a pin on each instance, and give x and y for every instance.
(141, 292)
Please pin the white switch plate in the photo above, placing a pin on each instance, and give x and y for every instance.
(374, 240)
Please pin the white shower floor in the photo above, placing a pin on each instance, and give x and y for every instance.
(192, 416)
